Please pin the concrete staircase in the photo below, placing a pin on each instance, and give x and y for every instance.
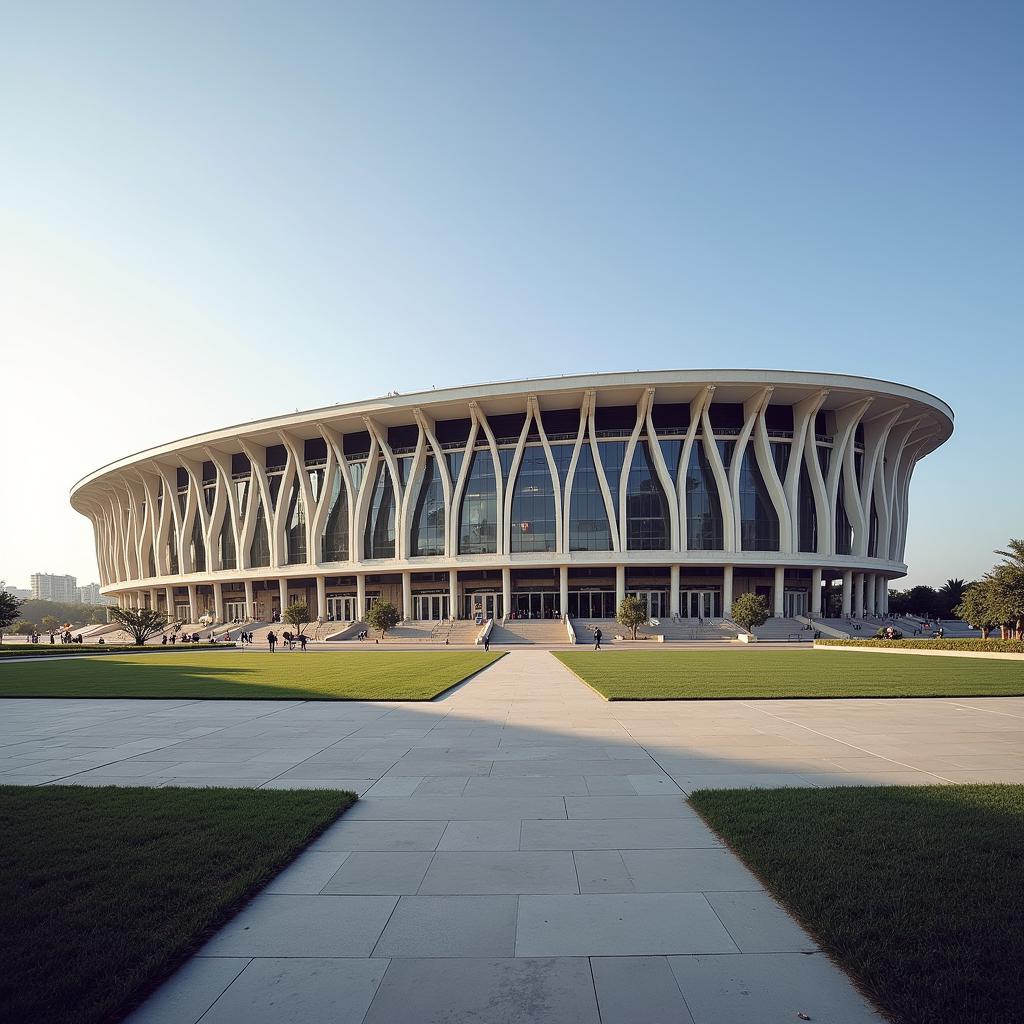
(694, 629)
(780, 629)
(530, 631)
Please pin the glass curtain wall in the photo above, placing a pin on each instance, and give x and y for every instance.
(295, 531)
(429, 518)
(588, 516)
(335, 543)
(533, 525)
(478, 518)
(704, 531)
(647, 515)
(759, 522)
(379, 535)
(259, 549)
(808, 511)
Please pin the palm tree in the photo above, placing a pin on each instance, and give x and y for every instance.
(1015, 555)
(950, 594)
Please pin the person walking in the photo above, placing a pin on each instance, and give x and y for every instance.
(302, 641)
(597, 638)
(487, 641)
(272, 640)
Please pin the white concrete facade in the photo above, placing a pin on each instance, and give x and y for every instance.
(688, 487)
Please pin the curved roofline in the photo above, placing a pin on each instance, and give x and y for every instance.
(468, 392)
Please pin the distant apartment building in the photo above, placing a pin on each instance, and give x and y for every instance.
(15, 591)
(47, 587)
(90, 594)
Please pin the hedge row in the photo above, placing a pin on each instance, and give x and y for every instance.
(8, 650)
(948, 644)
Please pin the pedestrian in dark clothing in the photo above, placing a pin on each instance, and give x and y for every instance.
(487, 642)
(597, 638)
(302, 641)
(272, 640)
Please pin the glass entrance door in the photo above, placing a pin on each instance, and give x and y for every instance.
(430, 607)
(655, 601)
(698, 604)
(341, 609)
(234, 611)
(535, 604)
(483, 606)
(794, 602)
(592, 604)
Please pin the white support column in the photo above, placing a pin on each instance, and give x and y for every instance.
(360, 595)
(453, 593)
(506, 591)
(620, 586)
(193, 604)
(250, 603)
(816, 593)
(847, 593)
(321, 597)
(727, 591)
(778, 590)
(858, 595)
(881, 595)
(282, 595)
(169, 599)
(218, 602)
(563, 590)
(406, 595)
(673, 591)
(152, 598)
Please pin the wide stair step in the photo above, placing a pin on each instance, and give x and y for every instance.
(530, 631)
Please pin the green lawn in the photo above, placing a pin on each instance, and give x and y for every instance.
(249, 675)
(915, 890)
(753, 673)
(103, 892)
(9, 650)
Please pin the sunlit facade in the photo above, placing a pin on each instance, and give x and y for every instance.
(537, 497)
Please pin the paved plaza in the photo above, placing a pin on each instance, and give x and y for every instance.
(522, 850)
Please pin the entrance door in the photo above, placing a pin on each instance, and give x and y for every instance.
(794, 602)
(341, 609)
(182, 612)
(234, 611)
(483, 605)
(698, 604)
(430, 607)
(653, 600)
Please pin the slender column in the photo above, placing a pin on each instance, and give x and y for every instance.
(321, 597)
(858, 595)
(506, 591)
(360, 595)
(250, 610)
(218, 602)
(282, 593)
(169, 599)
(406, 595)
(727, 591)
(563, 590)
(673, 591)
(816, 593)
(779, 590)
(153, 595)
(869, 593)
(193, 604)
(453, 594)
(620, 586)
(847, 592)
(881, 595)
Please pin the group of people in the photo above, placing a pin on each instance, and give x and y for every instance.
(289, 639)
(186, 638)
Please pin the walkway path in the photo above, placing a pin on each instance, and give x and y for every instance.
(522, 851)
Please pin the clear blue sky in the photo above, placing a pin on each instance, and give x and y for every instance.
(215, 212)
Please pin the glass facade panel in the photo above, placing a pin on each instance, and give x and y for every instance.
(259, 549)
(275, 489)
(478, 517)
(808, 511)
(759, 522)
(533, 504)
(227, 552)
(780, 456)
(429, 519)
(172, 553)
(588, 516)
(562, 454)
(209, 494)
(671, 451)
(316, 483)
(647, 516)
(379, 536)
(295, 535)
(844, 531)
(726, 450)
(198, 547)
(873, 531)
(242, 497)
(335, 544)
(612, 454)
(704, 531)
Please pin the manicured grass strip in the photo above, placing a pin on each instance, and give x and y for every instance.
(755, 673)
(914, 890)
(74, 650)
(975, 644)
(249, 675)
(105, 891)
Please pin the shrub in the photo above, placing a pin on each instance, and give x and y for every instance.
(632, 614)
(955, 644)
(750, 610)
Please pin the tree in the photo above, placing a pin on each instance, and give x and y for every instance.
(383, 615)
(632, 614)
(921, 600)
(1010, 586)
(948, 597)
(10, 606)
(977, 607)
(750, 610)
(297, 615)
(50, 623)
(23, 627)
(142, 623)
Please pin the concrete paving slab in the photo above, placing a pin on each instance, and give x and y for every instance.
(486, 991)
(668, 806)
(758, 924)
(450, 926)
(299, 990)
(501, 872)
(638, 990)
(481, 835)
(464, 808)
(376, 874)
(193, 989)
(307, 874)
(619, 925)
(395, 836)
(617, 834)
